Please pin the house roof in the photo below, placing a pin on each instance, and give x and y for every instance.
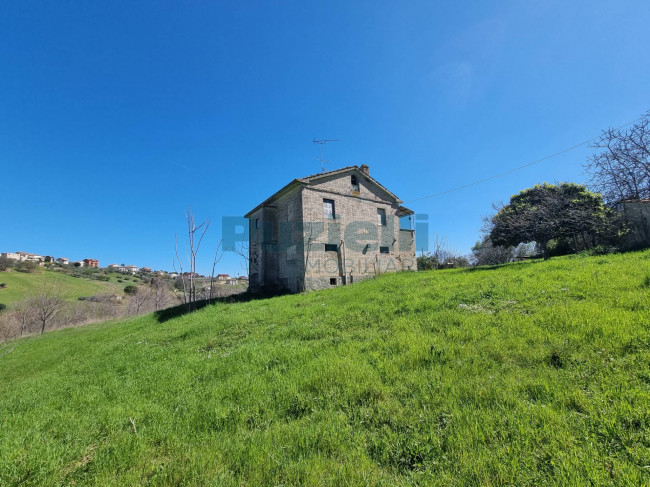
(404, 211)
(315, 177)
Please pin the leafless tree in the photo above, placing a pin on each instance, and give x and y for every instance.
(242, 249)
(159, 293)
(218, 254)
(195, 234)
(24, 315)
(46, 305)
(140, 299)
(620, 165)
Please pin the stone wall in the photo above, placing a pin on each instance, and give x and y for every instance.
(637, 214)
(275, 264)
(357, 258)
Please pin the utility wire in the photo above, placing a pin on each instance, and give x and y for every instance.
(520, 167)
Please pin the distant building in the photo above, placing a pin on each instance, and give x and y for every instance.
(63, 261)
(26, 256)
(91, 262)
(145, 269)
(223, 277)
(79, 263)
(10, 255)
(114, 267)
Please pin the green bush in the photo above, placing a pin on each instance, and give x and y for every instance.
(26, 266)
(5, 264)
(600, 250)
(131, 289)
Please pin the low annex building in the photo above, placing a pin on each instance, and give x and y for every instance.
(328, 229)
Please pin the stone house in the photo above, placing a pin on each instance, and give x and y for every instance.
(637, 216)
(326, 230)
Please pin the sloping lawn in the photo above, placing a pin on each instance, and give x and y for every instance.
(20, 285)
(534, 373)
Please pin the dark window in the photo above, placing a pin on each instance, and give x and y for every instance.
(355, 182)
(257, 223)
(328, 209)
(383, 250)
(333, 281)
(331, 248)
(381, 216)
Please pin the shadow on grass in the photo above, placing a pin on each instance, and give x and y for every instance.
(182, 309)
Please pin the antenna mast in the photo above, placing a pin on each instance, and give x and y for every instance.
(322, 159)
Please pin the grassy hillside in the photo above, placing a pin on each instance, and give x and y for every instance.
(20, 285)
(530, 374)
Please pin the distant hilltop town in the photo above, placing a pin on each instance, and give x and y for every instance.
(43, 260)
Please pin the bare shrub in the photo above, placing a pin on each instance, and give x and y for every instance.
(141, 301)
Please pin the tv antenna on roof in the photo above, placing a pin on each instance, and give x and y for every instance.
(322, 159)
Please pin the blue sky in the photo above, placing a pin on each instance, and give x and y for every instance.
(117, 116)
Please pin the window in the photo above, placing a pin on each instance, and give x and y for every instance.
(257, 223)
(383, 250)
(328, 209)
(355, 182)
(333, 281)
(331, 248)
(381, 216)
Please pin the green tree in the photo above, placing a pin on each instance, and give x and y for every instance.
(552, 211)
(5, 264)
(131, 289)
(27, 266)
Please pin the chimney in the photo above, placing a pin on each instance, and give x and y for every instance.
(365, 169)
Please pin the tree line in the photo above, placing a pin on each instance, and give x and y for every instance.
(564, 218)
(567, 217)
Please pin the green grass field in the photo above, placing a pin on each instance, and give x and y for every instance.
(534, 373)
(20, 285)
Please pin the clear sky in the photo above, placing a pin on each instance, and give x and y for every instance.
(117, 116)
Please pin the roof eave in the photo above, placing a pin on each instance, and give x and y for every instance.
(293, 184)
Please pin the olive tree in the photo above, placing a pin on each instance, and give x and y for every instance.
(551, 211)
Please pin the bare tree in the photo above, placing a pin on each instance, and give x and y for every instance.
(139, 300)
(7, 327)
(46, 305)
(159, 293)
(620, 165)
(24, 315)
(242, 249)
(195, 234)
(218, 254)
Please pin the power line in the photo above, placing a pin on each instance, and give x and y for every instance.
(480, 181)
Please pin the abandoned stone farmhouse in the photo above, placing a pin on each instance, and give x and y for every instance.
(329, 229)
